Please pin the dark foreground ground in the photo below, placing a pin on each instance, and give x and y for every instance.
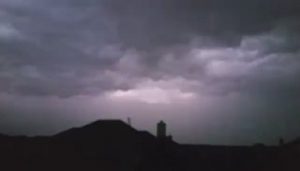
(112, 145)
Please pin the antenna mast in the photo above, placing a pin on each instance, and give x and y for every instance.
(129, 121)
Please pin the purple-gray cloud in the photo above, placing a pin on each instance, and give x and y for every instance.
(217, 72)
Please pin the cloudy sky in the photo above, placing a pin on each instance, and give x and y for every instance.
(220, 72)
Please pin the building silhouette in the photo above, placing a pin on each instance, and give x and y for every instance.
(161, 129)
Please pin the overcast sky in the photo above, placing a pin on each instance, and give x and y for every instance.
(220, 72)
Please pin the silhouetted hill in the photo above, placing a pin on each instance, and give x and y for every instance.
(104, 144)
(110, 140)
(101, 128)
(112, 145)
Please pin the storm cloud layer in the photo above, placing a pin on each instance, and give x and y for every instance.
(218, 72)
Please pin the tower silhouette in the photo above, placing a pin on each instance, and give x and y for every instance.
(161, 129)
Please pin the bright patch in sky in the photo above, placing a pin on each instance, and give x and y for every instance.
(152, 95)
(7, 31)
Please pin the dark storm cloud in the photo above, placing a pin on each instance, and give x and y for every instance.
(149, 23)
(57, 45)
(60, 37)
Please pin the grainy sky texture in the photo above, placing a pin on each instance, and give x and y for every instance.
(220, 72)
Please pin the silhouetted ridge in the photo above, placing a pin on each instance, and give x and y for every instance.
(100, 128)
(111, 141)
(147, 136)
(108, 123)
(105, 137)
(113, 145)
